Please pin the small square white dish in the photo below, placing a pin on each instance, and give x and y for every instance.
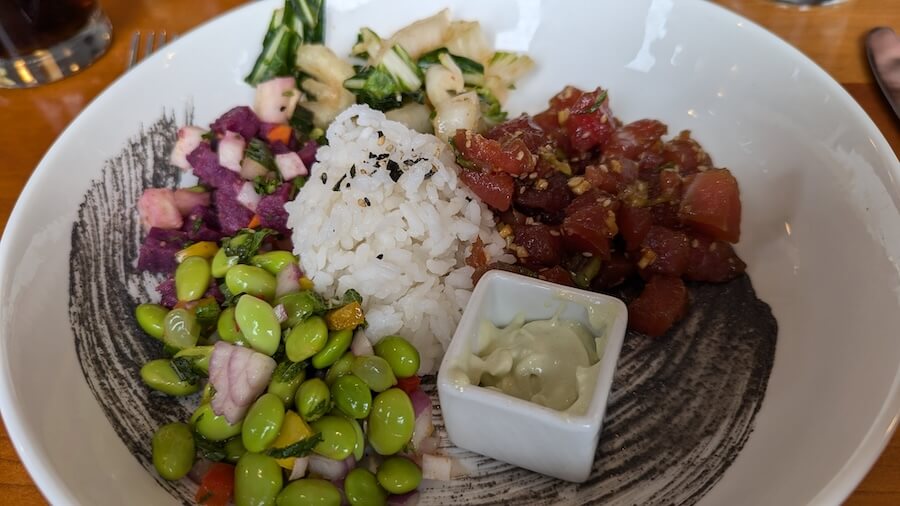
(516, 431)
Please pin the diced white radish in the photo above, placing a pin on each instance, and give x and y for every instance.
(251, 169)
(276, 99)
(248, 197)
(188, 139)
(187, 200)
(288, 280)
(299, 470)
(436, 467)
(231, 151)
(157, 209)
(290, 166)
(361, 346)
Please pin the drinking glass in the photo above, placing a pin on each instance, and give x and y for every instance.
(42, 41)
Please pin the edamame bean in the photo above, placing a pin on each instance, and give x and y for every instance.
(360, 447)
(299, 306)
(362, 488)
(273, 261)
(173, 451)
(338, 437)
(352, 396)
(337, 344)
(399, 475)
(257, 480)
(313, 399)
(228, 328)
(257, 321)
(262, 423)
(181, 329)
(306, 339)
(192, 278)
(251, 280)
(234, 449)
(391, 421)
(375, 372)
(159, 375)
(340, 368)
(221, 263)
(400, 354)
(286, 380)
(151, 318)
(199, 357)
(309, 491)
(212, 426)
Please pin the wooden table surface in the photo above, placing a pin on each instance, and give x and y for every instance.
(30, 120)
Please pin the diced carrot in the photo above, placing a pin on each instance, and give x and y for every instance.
(280, 133)
(254, 221)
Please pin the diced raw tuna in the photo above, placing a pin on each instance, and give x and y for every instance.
(159, 248)
(205, 163)
(271, 209)
(158, 209)
(187, 200)
(241, 120)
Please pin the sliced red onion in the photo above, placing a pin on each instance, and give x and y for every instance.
(187, 200)
(280, 313)
(201, 467)
(188, 139)
(251, 169)
(157, 209)
(436, 467)
(308, 153)
(299, 470)
(407, 499)
(239, 376)
(423, 428)
(420, 401)
(231, 151)
(248, 197)
(290, 165)
(288, 280)
(276, 99)
(361, 346)
(330, 469)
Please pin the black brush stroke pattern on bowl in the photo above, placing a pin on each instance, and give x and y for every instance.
(680, 410)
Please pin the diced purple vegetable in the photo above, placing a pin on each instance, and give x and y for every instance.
(159, 248)
(202, 225)
(279, 148)
(166, 290)
(215, 292)
(308, 153)
(205, 163)
(233, 216)
(240, 120)
(271, 209)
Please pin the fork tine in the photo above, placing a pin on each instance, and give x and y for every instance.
(148, 44)
(133, 51)
(161, 39)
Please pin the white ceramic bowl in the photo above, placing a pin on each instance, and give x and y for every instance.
(821, 227)
(513, 430)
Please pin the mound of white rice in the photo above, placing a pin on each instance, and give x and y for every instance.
(384, 213)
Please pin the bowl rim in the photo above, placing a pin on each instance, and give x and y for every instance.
(55, 490)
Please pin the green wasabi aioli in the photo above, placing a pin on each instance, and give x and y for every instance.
(550, 362)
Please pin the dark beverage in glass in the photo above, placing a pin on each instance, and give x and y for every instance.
(44, 40)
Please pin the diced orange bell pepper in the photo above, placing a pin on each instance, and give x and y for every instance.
(280, 133)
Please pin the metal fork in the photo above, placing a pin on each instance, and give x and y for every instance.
(153, 41)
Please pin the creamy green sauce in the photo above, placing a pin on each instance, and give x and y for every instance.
(550, 362)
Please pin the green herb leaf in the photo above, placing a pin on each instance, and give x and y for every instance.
(184, 368)
(208, 136)
(207, 313)
(376, 87)
(260, 153)
(286, 371)
(246, 243)
(491, 110)
(597, 103)
(301, 448)
(208, 449)
(351, 295)
(297, 183)
(265, 185)
(302, 122)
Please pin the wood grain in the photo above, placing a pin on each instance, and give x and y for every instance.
(30, 120)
